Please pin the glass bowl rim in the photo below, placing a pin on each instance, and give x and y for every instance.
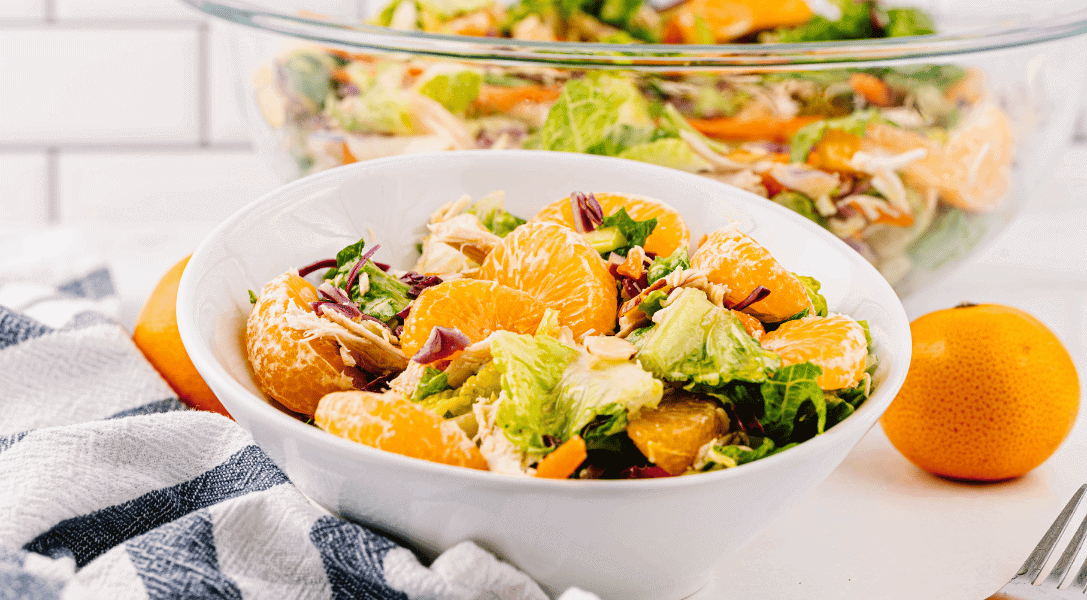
(764, 57)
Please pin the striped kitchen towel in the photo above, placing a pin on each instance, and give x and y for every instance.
(110, 488)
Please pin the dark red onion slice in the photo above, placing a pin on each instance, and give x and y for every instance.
(321, 306)
(419, 282)
(756, 294)
(328, 263)
(334, 294)
(442, 343)
(404, 313)
(647, 472)
(355, 270)
(379, 383)
(587, 212)
(631, 287)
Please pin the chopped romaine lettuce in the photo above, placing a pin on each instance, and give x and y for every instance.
(590, 111)
(431, 382)
(702, 346)
(786, 393)
(662, 266)
(385, 295)
(908, 21)
(802, 205)
(634, 232)
(734, 455)
(591, 387)
(811, 286)
(652, 302)
(668, 152)
(854, 24)
(809, 135)
(484, 386)
(455, 91)
(531, 369)
(379, 109)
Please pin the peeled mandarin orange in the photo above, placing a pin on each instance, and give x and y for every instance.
(835, 342)
(475, 307)
(671, 434)
(156, 335)
(393, 423)
(294, 371)
(558, 267)
(670, 233)
(971, 171)
(990, 394)
(735, 260)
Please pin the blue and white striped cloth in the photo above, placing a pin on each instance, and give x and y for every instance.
(110, 488)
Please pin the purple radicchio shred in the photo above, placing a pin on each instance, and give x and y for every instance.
(631, 287)
(745, 419)
(442, 343)
(586, 212)
(384, 267)
(366, 317)
(336, 295)
(757, 294)
(404, 313)
(399, 331)
(379, 383)
(419, 282)
(328, 263)
(347, 310)
(358, 266)
(647, 472)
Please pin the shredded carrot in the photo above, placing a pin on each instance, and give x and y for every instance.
(499, 99)
(886, 214)
(348, 157)
(564, 460)
(762, 128)
(872, 88)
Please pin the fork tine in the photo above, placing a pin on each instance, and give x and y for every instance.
(1034, 563)
(1065, 561)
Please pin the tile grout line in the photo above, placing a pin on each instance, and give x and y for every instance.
(52, 186)
(203, 84)
(49, 11)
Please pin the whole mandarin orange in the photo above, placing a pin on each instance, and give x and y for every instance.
(156, 335)
(990, 394)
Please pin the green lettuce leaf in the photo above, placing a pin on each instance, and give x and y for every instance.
(379, 109)
(662, 266)
(652, 302)
(492, 214)
(308, 77)
(668, 152)
(591, 388)
(854, 24)
(809, 135)
(431, 382)
(702, 346)
(908, 21)
(634, 232)
(484, 386)
(785, 395)
(531, 369)
(802, 205)
(455, 91)
(590, 110)
(811, 286)
(386, 295)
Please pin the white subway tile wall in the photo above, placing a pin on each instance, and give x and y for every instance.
(113, 111)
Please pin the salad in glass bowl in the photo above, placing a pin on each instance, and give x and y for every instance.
(903, 132)
(586, 343)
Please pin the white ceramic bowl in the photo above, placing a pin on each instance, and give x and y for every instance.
(631, 539)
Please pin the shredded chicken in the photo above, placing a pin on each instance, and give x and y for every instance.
(630, 318)
(408, 380)
(437, 119)
(370, 345)
(466, 234)
(468, 362)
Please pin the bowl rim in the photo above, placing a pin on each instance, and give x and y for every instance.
(209, 368)
(647, 57)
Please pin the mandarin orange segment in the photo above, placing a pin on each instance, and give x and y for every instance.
(738, 262)
(835, 342)
(393, 423)
(475, 307)
(971, 171)
(558, 267)
(670, 233)
(671, 434)
(291, 369)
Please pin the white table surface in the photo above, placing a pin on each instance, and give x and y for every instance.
(878, 528)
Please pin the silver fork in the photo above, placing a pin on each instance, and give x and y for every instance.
(1023, 587)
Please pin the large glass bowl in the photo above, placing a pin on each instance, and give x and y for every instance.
(971, 124)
